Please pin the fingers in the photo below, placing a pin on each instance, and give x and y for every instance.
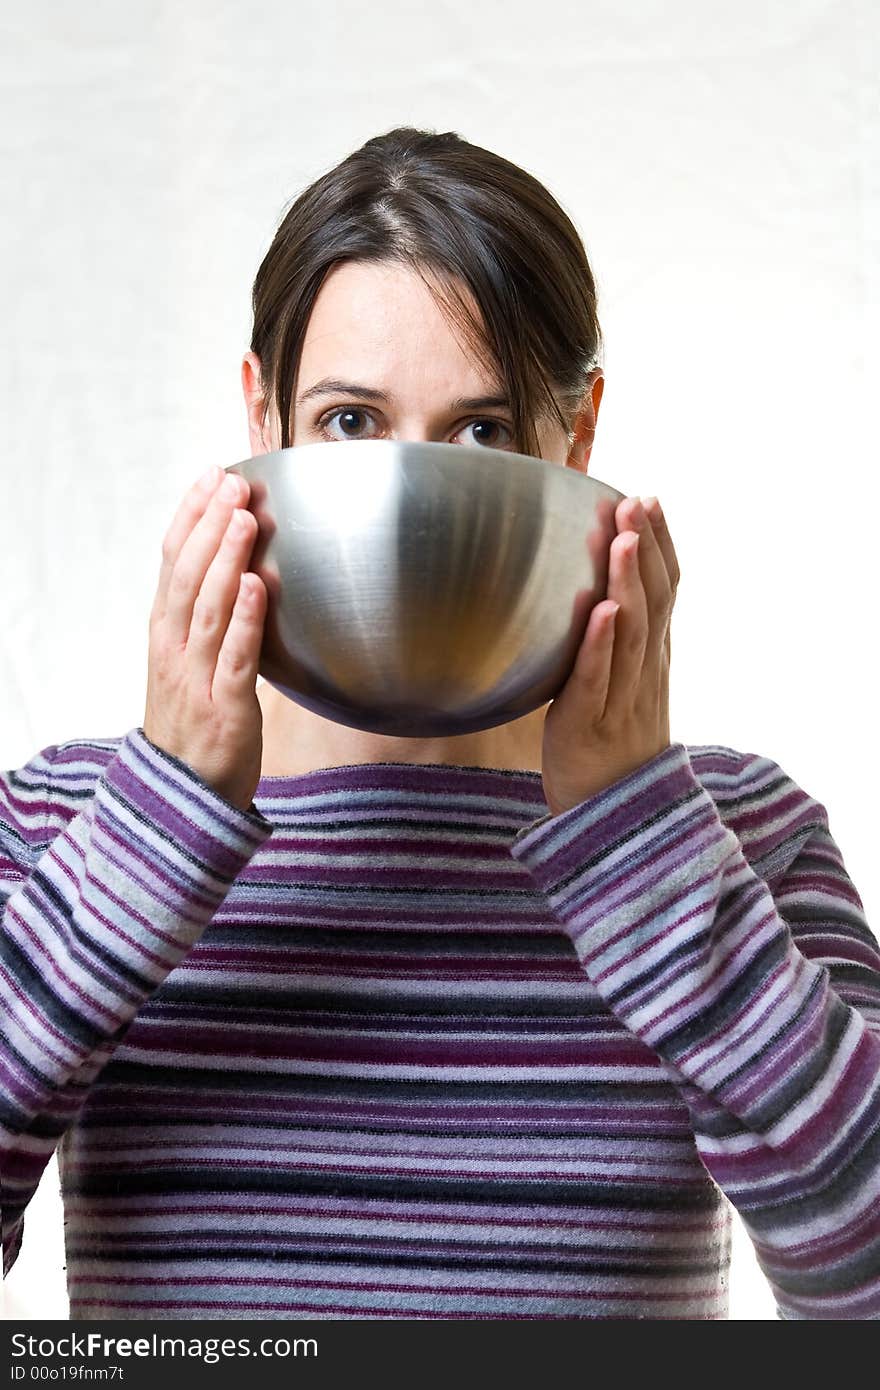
(642, 628)
(664, 540)
(206, 634)
(188, 513)
(652, 562)
(239, 657)
(194, 557)
(657, 652)
(218, 594)
(592, 667)
(631, 624)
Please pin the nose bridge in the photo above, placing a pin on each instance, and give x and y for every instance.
(418, 427)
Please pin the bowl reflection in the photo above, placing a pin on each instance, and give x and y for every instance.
(424, 589)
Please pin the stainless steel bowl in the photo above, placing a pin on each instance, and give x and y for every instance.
(421, 588)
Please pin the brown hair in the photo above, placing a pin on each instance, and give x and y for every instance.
(451, 211)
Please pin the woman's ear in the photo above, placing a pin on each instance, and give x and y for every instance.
(260, 434)
(583, 430)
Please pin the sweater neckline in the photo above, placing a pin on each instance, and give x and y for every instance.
(398, 776)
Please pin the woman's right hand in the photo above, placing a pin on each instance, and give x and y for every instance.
(206, 630)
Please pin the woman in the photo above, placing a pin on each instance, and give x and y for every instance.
(326, 1023)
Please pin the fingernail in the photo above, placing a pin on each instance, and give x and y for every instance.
(638, 512)
(652, 505)
(210, 475)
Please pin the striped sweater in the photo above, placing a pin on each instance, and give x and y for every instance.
(397, 1043)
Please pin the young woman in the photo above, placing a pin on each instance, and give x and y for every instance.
(326, 1023)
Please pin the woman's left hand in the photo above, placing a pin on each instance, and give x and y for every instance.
(612, 714)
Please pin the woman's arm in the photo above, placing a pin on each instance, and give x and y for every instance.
(105, 886)
(738, 950)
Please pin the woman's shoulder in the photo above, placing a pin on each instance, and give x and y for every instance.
(67, 772)
(765, 805)
(39, 798)
(82, 757)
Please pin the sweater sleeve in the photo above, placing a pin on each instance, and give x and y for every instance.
(759, 991)
(104, 889)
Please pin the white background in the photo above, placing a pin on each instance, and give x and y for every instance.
(720, 162)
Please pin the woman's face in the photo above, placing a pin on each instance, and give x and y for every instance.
(381, 361)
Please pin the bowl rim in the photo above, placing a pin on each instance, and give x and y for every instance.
(412, 448)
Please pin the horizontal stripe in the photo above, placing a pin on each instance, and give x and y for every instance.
(396, 1042)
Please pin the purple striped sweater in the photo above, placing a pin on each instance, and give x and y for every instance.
(397, 1043)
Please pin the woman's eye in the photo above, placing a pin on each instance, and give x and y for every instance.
(488, 433)
(349, 421)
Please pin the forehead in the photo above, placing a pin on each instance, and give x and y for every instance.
(379, 323)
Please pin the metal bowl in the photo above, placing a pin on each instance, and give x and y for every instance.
(423, 589)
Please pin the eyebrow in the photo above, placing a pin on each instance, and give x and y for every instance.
(330, 386)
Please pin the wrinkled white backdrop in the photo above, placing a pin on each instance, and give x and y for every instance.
(721, 163)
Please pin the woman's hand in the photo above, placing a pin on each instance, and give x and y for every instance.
(612, 714)
(206, 630)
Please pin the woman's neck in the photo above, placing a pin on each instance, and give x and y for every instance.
(297, 741)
